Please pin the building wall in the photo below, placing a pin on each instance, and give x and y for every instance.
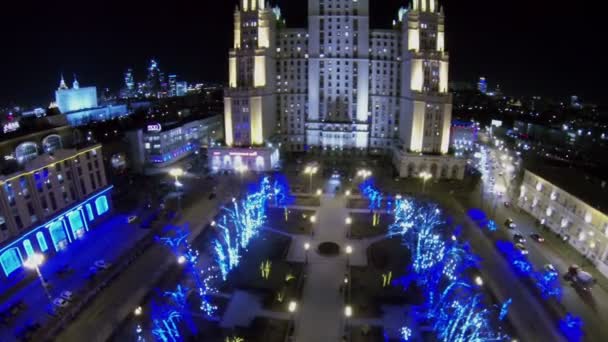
(70, 100)
(586, 227)
(441, 167)
(339, 84)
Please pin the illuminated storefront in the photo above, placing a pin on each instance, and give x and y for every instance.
(235, 159)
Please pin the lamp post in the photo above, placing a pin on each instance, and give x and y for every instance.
(349, 251)
(364, 173)
(348, 313)
(177, 172)
(310, 171)
(292, 308)
(306, 248)
(425, 177)
(34, 262)
(241, 169)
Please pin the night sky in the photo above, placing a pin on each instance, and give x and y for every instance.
(537, 47)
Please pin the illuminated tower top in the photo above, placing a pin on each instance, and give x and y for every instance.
(62, 84)
(75, 84)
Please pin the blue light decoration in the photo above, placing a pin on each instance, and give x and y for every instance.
(241, 223)
(164, 326)
(204, 279)
(547, 282)
(518, 261)
(369, 190)
(504, 309)
(492, 226)
(572, 328)
(452, 306)
(406, 334)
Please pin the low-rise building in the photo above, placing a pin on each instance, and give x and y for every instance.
(571, 204)
(54, 200)
(160, 145)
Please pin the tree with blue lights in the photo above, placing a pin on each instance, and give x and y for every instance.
(165, 322)
(572, 328)
(547, 282)
(375, 197)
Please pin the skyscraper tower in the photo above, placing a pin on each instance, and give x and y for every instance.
(482, 85)
(426, 105)
(250, 100)
(340, 86)
(154, 80)
(130, 82)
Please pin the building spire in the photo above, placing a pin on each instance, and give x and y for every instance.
(62, 84)
(75, 85)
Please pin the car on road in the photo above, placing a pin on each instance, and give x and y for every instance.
(60, 302)
(550, 268)
(510, 224)
(102, 264)
(132, 219)
(67, 295)
(518, 238)
(522, 249)
(537, 237)
(507, 204)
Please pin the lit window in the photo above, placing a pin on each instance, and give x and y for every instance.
(101, 204)
(41, 242)
(10, 260)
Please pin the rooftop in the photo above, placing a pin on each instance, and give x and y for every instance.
(577, 182)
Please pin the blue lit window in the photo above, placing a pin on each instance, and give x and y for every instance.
(10, 260)
(29, 250)
(101, 203)
(76, 223)
(90, 212)
(42, 242)
(58, 235)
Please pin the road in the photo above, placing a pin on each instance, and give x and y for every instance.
(593, 309)
(98, 321)
(107, 241)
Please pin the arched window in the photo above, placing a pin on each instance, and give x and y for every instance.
(26, 151)
(42, 242)
(52, 143)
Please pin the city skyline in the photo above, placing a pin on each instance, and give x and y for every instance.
(552, 70)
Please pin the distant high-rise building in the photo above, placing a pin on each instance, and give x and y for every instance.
(575, 102)
(155, 80)
(172, 85)
(181, 88)
(339, 84)
(130, 82)
(482, 86)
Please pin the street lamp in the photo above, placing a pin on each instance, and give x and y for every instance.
(310, 171)
(348, 220)
(348, 313)
(425, 177)
(138, 311)
(478, 281)
(347, 193)
(306, 248)
(181, 260)
(349, 251)
(319, 192)
(177, 172)
(313, 219)
(34, 262)
(293, 306)
(364, 173)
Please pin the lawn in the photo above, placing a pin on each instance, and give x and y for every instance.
(362, 225)
(298, 221)
(368, 293)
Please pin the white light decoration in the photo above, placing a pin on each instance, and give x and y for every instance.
(539, 186)
(588, 217)
(549, 211)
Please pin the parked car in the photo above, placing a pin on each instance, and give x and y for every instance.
(580, 279)
(102, 264)
(510, 224)
(67, 295)
(518, 238)
(131, 219)
(507, 204)
(60, 302)
(537, 237)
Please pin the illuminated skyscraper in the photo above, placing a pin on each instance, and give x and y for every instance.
(172, 85)
(338, 84)
(129, 89)
(156, 85)
(482, 85)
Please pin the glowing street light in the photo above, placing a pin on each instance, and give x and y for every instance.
(349, 251)
(319, 192)
(348, 311)
(478, 281)
(347, 193)
(177, 172)
(364, 173)
(310, 171)
(348, 220)
(293, 306)
(313, 219)
(181, 260)
(138, 311)
(34, 262)
(425, 177)
(306, 249)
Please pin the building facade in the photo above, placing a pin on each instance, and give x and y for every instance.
(339, 85)
(75, 99)
(54, 201)
(160, 145)
(582, 224)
